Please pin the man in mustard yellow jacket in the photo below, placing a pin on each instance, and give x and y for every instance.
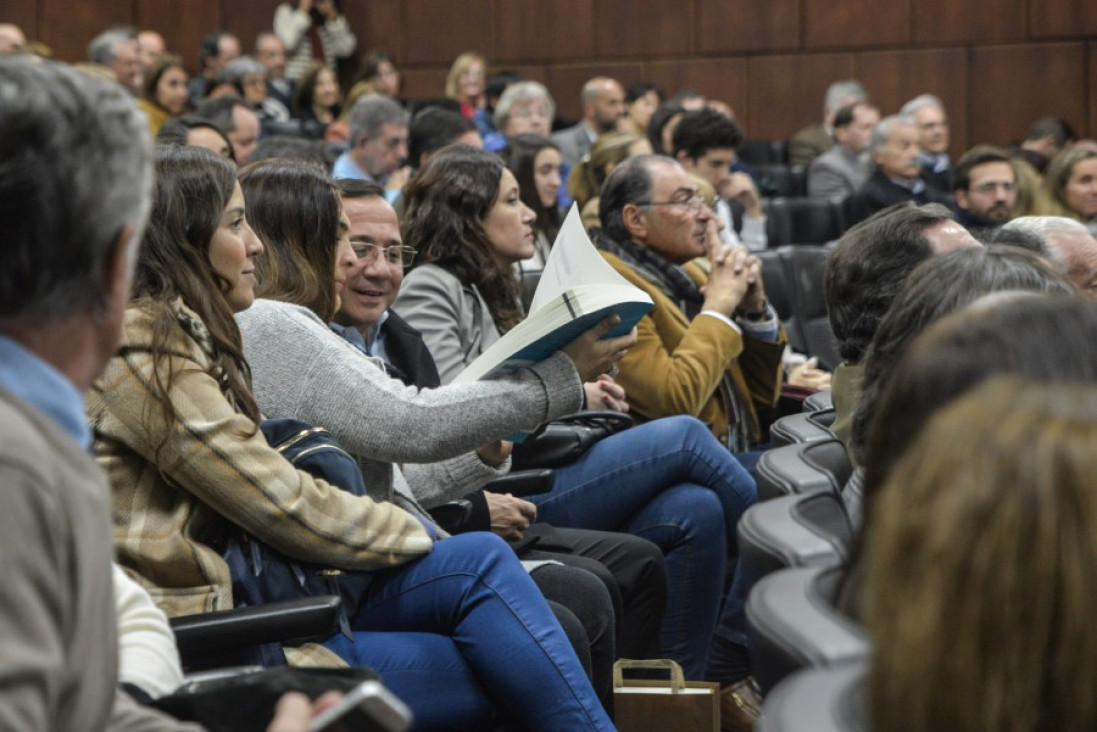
(711, 347)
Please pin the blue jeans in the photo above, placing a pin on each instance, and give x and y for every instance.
(671, 482)
(473, 590)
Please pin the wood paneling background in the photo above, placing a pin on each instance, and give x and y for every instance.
(997, 64)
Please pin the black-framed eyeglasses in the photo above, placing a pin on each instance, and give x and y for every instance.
(395, 255)
(694, 202)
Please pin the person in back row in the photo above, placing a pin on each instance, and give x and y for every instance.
(668, 480)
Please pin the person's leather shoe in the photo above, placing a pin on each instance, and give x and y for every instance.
(740, 706)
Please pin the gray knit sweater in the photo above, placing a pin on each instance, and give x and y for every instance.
(301, 369)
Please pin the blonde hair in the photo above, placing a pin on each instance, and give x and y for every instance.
(1058, 175)
(982, 566)
(608, 151)
(460, 65)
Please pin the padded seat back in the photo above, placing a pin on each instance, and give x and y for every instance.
(794, 624)
(777, 180)
(775, 280)
(806, 467)
(822, 399)
(814, 220)
(762, 152)
(804, 530)
(802, 427)
(809, 326)
(818, 700)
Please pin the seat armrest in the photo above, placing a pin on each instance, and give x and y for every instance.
(523, 482)
(452, 516)
(289, 622)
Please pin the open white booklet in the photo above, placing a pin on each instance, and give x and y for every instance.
(577, 290)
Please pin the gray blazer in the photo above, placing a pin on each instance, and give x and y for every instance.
(574, 142)
(836, 175)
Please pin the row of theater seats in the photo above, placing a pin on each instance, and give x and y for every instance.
(808, 657)
(803, 220)
(793, 278)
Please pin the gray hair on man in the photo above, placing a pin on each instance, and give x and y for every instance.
(75, 171)
(884, 129)
(921, 102)
(101, 50)
(841, 93)
(1048, 229)
(370, 114)
(521, 91)
(235, 70)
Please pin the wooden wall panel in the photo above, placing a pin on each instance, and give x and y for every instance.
(182, 28)
(23, 14)
(547, 29)
(423, 83)
(949, 21)
(440, 30)
(246, 21)
(1015, 85)
(785, 93)
(68, 27)
(646, 29)
(724, 79)
(566, 82)
(855, 23)
(1062, 18)
(734, 26)
(892, 78)
(379, 24)
(1091, 93)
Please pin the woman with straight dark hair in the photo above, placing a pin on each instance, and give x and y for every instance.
(669, 480)
(535, 162)
(447, 622)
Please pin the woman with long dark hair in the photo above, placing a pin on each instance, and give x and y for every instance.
(535, 162)
(669, 480)
(455, 621)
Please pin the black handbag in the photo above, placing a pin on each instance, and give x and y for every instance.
(261, 574)
(564, 440)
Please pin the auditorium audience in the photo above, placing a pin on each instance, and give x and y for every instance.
(929, 115)
(641, 101)
(863, 274)
(667, 480)
(980, 604)
(116, 49)
(1065, 243)
(12, 39)
(271, 52)
(214, 52)
(75, 221)
(525, 107)
(705, 144)
(192, 130)
(1071, 184)
(239, 122)
(180, 395)
(313, 32)
(896, 175)
(811, 142)
(379, 69)
(465, 84)
(984, 185)
(586, 179)
(317, 99)
(535, 162)
(163, 92)
(603, 104)
(150, 48)
(841, 171)
(377, 144)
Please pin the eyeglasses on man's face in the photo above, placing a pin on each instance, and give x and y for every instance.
(694, 202)
(395, 255)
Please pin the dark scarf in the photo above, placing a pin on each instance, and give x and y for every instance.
(671, 279)
(673, 282)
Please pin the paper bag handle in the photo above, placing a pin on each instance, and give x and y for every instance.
(677, 678)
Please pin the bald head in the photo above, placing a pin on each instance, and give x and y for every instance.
(12, 39)
(603, 103)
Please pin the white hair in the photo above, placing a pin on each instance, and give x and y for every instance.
(1049, 229)
(921, 102)
(840, 92)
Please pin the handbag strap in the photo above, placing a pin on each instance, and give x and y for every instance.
(677, 678)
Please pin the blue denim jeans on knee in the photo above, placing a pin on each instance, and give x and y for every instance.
(617, 479)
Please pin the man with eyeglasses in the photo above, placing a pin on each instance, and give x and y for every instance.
(711, 347)
(984, 185)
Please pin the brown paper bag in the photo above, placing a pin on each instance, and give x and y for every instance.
(671, 704)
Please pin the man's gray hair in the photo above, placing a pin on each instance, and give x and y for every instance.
(101, 50)
(884, 129)
(921, 102)
(235, 70)
(521, 91)
(630, 182)
(840, 92)
(1048, 229)
(372, 112)
(75, 169)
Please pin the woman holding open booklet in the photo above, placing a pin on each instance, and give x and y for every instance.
(668, 480)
